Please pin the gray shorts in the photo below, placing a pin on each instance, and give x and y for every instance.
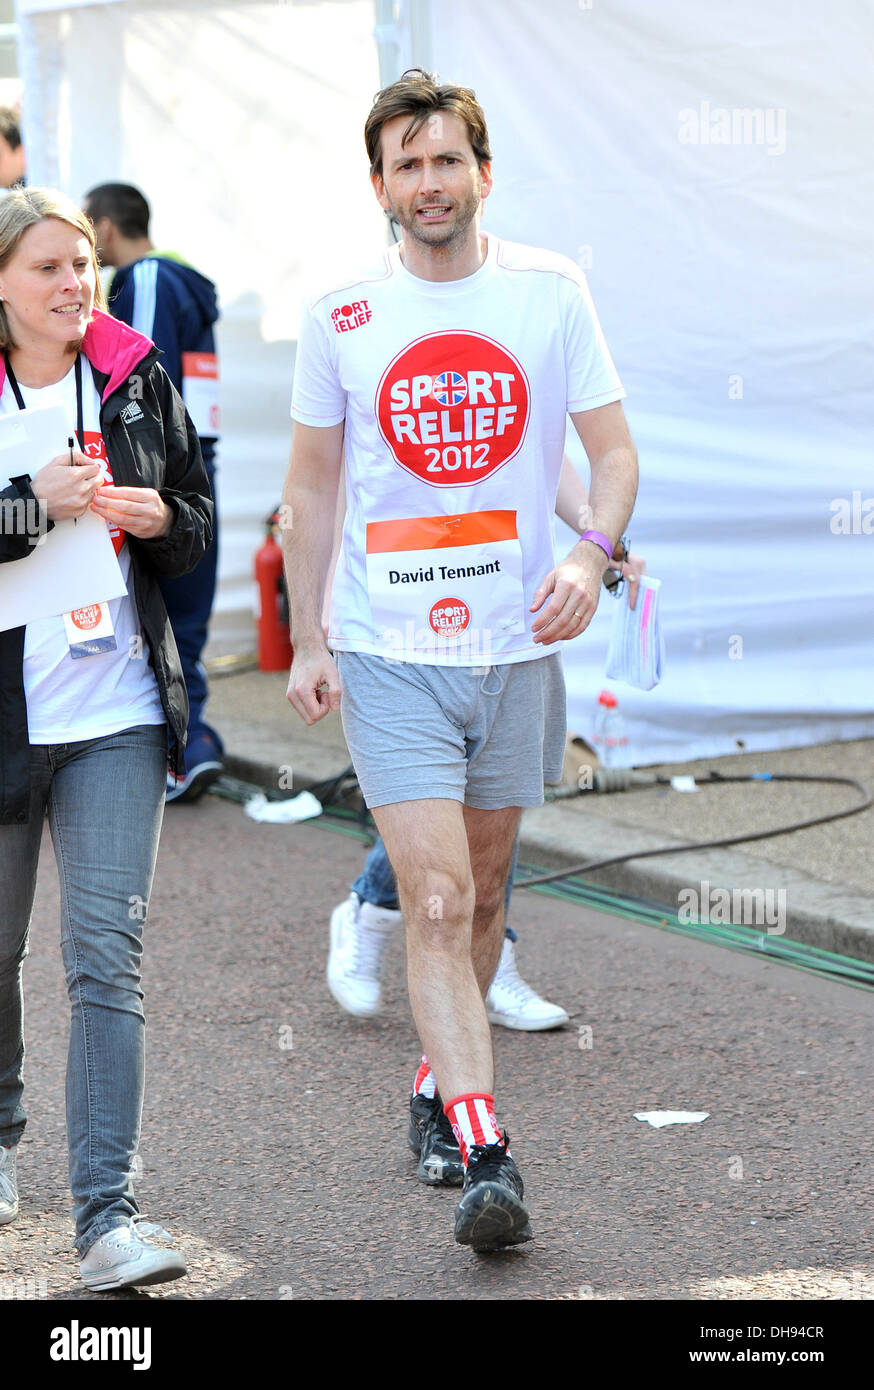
(488, 737)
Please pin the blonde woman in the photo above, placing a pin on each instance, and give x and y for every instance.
(84, 726)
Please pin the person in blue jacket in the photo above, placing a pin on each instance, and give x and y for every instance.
(165, 298)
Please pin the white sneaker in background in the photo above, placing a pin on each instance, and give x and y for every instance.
(513, 1004)
(359, 935)
(131, 1255)
(8, 1187)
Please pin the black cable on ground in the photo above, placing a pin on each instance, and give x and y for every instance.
(866, 799)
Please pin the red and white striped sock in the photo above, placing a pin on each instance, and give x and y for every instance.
(425, 1083)
(473, 1121)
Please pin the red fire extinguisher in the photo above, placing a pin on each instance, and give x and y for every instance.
(274, 642)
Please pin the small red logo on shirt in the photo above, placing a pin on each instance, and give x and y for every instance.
(86, 618)
(349, 316)
(449, 617)
(453, 408)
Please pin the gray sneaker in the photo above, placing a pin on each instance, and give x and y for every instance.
(131, 1255)
(8, 1188)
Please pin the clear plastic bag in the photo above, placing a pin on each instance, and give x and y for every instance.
(637, 649)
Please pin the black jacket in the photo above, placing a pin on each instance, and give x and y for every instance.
(150, 442)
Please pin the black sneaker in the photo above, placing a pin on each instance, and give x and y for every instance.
(432, 1139)
(490, 1214)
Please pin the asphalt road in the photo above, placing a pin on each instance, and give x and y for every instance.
(274, 1134)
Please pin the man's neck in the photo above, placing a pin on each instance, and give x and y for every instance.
(36, 366)
(130, 249)
(442, 263)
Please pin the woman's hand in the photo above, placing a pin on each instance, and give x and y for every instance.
(141, 511)
(66, 491)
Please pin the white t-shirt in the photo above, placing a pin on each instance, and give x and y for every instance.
(455, 396)
(69, 700)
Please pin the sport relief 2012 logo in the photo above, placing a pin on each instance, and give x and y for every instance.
(85, 619)
(449, 617)
(348, 316)
(453, 408)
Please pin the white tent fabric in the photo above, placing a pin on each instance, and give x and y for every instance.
(733, 283)
(709, 169)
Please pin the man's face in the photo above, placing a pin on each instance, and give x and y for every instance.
(102, 235)
(11, 163)
(433, 184)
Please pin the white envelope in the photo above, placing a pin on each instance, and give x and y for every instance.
(72, 565)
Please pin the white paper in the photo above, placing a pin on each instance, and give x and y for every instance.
(659, 1118)
(74, 564)
(684, 784)
(301, 807)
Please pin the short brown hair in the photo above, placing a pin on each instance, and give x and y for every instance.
(416, 94)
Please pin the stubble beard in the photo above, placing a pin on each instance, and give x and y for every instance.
(445, 239)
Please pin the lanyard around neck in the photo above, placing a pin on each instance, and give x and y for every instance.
(16, 391)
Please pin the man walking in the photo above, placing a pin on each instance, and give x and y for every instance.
(447, 374)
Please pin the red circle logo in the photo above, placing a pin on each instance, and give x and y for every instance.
(453, 408)
(449, 617)
(86, 618)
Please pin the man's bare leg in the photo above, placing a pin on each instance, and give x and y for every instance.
(451, 864)
(491, 853)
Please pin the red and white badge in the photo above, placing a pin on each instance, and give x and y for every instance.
(453, 408)
(200, 392)
(449, 617)
(89, 630)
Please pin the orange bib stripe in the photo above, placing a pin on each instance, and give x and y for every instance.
(437, 532)
(200, 364)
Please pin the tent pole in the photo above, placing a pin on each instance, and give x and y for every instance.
(421, 49)
(385, 32)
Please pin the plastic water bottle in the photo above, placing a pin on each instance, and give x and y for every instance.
(611, 735)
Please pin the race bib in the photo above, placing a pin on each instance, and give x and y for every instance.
(200, 391)
(446, 585)
(89, 630)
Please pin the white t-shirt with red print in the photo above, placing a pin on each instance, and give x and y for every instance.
(73, 699)
(455, 396)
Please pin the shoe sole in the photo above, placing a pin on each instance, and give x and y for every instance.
(491, 1217)
(454, 1177)
(520, 1025)
(127, 1276)
(198, 780)
(7, 1216)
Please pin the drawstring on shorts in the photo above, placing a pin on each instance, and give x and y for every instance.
(501, 681)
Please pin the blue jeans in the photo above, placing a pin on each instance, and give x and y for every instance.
(105, 803)
(376, 883)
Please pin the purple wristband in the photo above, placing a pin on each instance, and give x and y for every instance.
(600, 539)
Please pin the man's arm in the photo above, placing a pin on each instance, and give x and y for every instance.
(309, 504)
(573, 587)
(572, 505)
